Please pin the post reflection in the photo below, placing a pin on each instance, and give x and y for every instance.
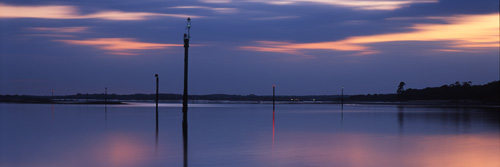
(105, 115)
(342, 115)
(156, 139)
(185, 138)
(273, 129)
(400, 118)
(52, 112)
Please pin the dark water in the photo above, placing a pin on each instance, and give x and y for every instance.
(39, 135)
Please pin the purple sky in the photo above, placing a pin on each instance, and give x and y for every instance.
(304, 47)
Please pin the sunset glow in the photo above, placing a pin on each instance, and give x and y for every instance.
(220, 10)
(61, 29)
(298, 40)
(71, 12)
(119, 46)
(463, 31)
(356, 4)
(365, 150)
(361, 83)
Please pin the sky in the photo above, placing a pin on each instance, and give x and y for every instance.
(304, 47)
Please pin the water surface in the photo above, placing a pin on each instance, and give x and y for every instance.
(248, 135)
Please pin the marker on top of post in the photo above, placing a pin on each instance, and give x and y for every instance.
(188, 27)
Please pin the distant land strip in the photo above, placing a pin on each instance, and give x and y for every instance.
(456, 93)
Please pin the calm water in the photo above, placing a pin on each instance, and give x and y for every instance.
(42, 135)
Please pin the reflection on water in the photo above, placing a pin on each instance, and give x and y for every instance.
(354, 149)
(273, 126)
(52, 112)
(105, 114)
(119, 150)
(174, 105)
(238, 135)
(185, 137)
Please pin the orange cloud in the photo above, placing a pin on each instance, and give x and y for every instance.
(219, 10)
(71, 12)
(356, 4)
(275, 18)
(51, 35)
(118, 15)
(119, 46)
(462, 31)
(216, 1)
(60, 29)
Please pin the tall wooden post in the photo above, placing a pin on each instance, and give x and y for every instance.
(342, 97)
(157, 80)
(105, 95)
(185, 95)
(186, 47)
(274, 97)
(52, 96)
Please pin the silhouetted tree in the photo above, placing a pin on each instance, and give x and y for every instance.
(467, 84)
(456, 84)
(401, 88)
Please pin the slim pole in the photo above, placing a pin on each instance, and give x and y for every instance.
(105, 95)
(274, 96)
(157, 80)
(106, 105)
(342, 97)
(185, 95)
(186, 46)
(184, 101)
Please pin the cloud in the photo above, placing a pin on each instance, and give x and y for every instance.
(51, 35)
(356, 4)
(275, 18)
(215, 1)
(219, 10)
(59, 32)
(71, 12)
(118, 15)
(460, 31)
(60, 29)
(455, 50)
(119, 46)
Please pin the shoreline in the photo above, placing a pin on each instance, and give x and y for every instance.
(420, 103)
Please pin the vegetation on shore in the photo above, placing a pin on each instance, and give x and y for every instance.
(465, 91)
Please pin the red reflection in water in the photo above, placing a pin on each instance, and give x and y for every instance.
(122, 150)
(107, 150)
(273, 128)
(372, 150)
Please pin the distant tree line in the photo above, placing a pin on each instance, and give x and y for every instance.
(163, 96)
(457, 91)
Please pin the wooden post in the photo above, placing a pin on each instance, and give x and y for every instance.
(274, 97)
(186, 46)
(105, 95)
(157, 80)
(342, 98)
